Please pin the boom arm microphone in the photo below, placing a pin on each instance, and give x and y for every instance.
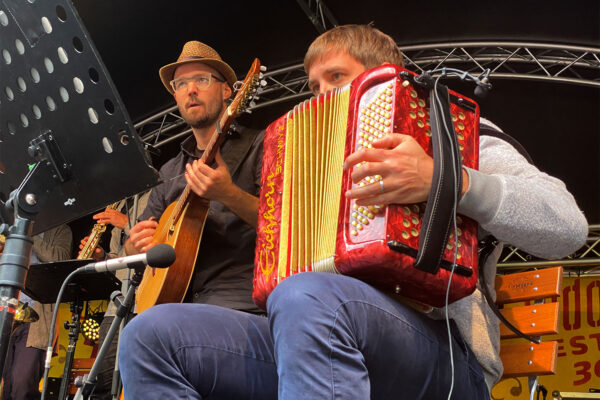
(160, 256)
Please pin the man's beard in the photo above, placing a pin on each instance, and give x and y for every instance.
(205, 120)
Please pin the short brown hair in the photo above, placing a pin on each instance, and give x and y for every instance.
(366, 43)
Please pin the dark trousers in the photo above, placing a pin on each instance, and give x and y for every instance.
(23, 369)
(327, 337)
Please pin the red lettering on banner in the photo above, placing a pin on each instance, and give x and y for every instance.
(597, 337)
(561, 349)
(575, 344)
(590, 305)
(584, 372)
(574, 310)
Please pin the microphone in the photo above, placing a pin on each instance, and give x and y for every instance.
(483, 84)
(160, 256)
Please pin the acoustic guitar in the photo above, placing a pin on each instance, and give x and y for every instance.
(182, 223)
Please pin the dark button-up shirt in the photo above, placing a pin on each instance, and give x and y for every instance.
(225, 263)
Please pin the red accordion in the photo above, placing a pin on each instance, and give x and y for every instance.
(305, 223)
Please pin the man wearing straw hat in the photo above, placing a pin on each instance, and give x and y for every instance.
(201, 82)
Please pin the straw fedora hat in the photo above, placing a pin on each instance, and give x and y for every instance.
(195, 51)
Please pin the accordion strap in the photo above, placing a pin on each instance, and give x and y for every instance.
(445, 187)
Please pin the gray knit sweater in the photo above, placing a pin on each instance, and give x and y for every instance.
(520, 205)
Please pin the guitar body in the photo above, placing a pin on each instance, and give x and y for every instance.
(169, 285)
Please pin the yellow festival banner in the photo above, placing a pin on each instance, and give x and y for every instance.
(578, 367)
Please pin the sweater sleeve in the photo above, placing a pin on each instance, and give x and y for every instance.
(520, 205)
(54, 245)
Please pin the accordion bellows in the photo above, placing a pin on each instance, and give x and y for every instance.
(306, 223)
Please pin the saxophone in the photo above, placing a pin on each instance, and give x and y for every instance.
(94, 237)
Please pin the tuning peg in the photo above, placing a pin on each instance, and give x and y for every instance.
(255, 98)
(261, 75)
(252, 104)
(263, 68)
(248, 111)
(263, 83)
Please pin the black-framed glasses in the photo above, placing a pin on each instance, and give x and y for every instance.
(202, 81)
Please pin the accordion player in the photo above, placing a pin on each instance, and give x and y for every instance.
(305, 222)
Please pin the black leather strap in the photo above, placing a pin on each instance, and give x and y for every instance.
(446, 183)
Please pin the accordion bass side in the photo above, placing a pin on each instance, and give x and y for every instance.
(306, 223)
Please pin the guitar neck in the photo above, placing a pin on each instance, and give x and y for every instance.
(216, 140)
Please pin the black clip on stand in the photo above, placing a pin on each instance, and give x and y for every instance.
(87, 384)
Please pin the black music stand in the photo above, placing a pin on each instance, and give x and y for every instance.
(67, 145)
(44, 281)
(43, 284)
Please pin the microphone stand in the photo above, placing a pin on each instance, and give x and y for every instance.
(116, 380)
(86, 386)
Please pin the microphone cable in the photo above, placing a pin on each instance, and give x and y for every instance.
(481, 89)
(454, 205)
(50, 347)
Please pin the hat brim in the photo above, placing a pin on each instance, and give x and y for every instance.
(166, 73)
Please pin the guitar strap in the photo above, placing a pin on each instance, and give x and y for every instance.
(236, 147)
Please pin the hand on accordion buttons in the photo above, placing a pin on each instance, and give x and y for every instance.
(402, 169)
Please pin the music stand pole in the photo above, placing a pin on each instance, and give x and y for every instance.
(14, 264)
(74, 329)
(123, 308)
(24, 203)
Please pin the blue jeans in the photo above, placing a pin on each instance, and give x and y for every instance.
(327, 337)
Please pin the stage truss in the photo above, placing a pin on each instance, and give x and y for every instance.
(561, 64)
(586, 260)
(527, 61)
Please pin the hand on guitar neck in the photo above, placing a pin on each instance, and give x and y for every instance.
(216, 184)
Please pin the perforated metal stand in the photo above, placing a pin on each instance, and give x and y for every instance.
(56, 96)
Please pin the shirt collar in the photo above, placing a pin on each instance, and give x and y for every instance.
(188, 146)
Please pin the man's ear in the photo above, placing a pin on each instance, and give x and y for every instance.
(227, 92)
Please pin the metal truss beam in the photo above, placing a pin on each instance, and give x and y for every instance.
(507, 60)
(319, 14)
(586, 260)
(529, 61)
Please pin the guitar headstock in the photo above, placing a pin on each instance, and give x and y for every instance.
(246, 91)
